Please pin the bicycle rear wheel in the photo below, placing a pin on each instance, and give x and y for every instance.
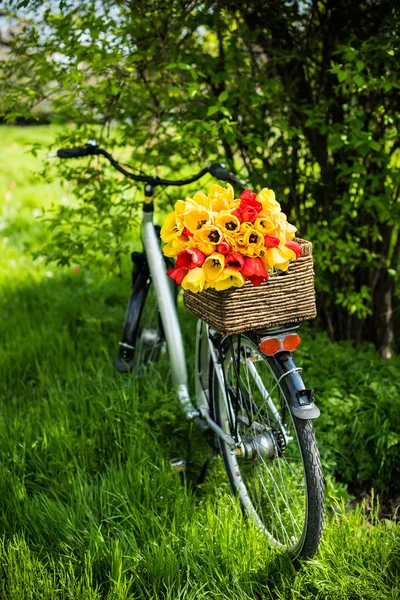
(277, 476)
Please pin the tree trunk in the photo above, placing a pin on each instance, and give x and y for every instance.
(382, 320)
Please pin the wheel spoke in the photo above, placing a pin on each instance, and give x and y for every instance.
(149, 337)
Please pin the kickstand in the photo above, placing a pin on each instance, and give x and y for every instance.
(204, 468)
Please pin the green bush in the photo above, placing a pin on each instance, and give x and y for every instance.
(359, 396)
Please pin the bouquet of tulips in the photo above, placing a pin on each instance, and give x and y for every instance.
(221, 242)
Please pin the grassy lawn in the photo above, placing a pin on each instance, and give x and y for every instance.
(89, 506)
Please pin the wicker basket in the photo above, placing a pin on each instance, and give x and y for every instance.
(285, 298)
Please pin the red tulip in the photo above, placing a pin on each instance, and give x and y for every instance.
(190, 258)
(238, 213)
(223, 248)
(254, 270)
(247, 195)
(257, 279)
(249, 213)
(186, 232)
(248, 198)
(270, 241)
(294, 246)
(177, 274)
(235, 260)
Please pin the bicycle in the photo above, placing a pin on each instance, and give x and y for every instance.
(255, 403)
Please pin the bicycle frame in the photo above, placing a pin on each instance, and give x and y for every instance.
(172, 330)
(168, 313)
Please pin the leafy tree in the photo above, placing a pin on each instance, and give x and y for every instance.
(300, 96)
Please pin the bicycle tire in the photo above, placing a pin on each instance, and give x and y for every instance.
(253, 479)
(150, 341)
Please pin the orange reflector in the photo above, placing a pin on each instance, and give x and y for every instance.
(270, 346)
(291, 342)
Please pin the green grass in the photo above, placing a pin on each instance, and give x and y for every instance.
(88, 506)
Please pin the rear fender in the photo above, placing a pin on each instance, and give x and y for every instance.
(124, 360)
(302, 403)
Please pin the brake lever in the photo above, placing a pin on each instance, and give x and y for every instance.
(237, 180)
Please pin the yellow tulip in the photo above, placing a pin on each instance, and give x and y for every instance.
(180, 207)
(170, 250)
(278, 257)
(234, 204)
(265, 226)
(290, 231)
(253, 239)
(219, 205)
(217, 191)
(195, 216)
(203, 246)
(208, 234)
(281, 235)
(262, 253)
(194, 280)
(202, 200)
(229, 278)
(229, 239)
(173, 248)
(244, 227)
(227, 223)
(239, 238)
(213, 266)
(180, 211)
(281, 222)
(171, 229)
(267, 199)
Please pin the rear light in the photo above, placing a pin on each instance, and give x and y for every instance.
(271, 346)
(291, 342)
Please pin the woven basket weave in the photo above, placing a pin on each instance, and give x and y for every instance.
(285, 298)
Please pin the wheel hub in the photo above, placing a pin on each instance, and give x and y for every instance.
(149, 337)
(261, 445)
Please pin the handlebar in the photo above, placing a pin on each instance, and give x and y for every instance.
(74, 152)
(216, 169)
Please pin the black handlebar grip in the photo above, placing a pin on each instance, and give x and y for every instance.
(219, 172)
(76, 152)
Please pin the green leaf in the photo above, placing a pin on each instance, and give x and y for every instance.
(375, 145)
(225, 111)
(360, 65)
(212, 110)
